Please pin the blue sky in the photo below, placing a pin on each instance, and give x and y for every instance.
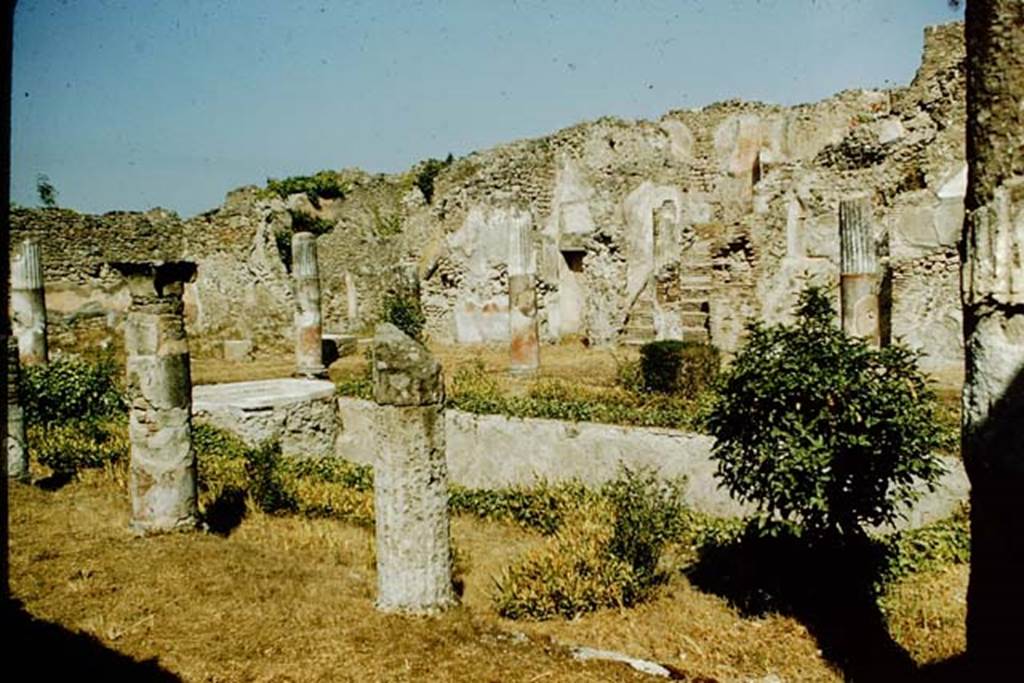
(138, 103)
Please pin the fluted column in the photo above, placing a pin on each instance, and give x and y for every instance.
(859, 273)
(308, 318)
(524, 347)
(162, 481)
(28, 303)
(410, 477)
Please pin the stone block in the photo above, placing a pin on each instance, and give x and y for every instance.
(404, 372)
(300, 413)
(238, 350)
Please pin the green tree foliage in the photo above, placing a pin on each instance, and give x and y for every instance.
(69, 387)
(428, 172)
(46, 191)
(820, 429)
(320, 185)
(403, 310)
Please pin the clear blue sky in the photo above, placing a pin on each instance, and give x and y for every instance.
(138, 103)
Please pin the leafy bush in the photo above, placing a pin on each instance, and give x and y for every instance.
(321, 185)
(70, 446)
(648, 514)
(69, 387)
(629, 375)
(307, 222)
(573, 573)
(404, 312)
(604, 551)
(818, 428)
(673, 366)
(429, 171)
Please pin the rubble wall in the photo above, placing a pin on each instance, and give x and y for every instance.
(690, 225)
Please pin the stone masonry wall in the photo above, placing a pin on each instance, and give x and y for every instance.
(687, 226)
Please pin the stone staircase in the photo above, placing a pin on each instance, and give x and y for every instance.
(640, 325)
(695, 292)
(695, 285)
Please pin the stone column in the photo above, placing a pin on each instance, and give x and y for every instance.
(28, 303)
(992, 289)
(17, 449)
(524, 347)
(308, 320)
(410, 480)
(858, 266)
(162, 481)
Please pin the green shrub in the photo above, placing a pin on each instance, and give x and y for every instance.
(404, 312)
(818, 428)
(673, 366)
(603, 552)
(428, 172)
(573, 573)
(307, 222)
(321, 185)
(648, 514)
(71, 388)
(67, 447)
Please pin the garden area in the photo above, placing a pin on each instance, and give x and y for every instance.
(821, 434)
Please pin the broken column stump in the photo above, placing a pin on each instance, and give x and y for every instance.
(308, 317)
(859, 273)
(410, 480)
(28, 303)
(524, 347)
(17, 449)
(162, 479)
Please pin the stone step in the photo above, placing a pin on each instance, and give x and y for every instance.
(692, 305)
(696, 280)
(696, 320)
(695, 334)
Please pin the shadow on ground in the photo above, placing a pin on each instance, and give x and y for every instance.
(53, 653)
(831, 587)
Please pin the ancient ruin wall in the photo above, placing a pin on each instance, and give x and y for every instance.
(685, 226)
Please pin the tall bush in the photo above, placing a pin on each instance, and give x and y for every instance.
(821, 429)
(69, 387)
(675, 366)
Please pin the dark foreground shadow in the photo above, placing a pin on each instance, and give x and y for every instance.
(52, 653)
(830, 587)
(224, 514)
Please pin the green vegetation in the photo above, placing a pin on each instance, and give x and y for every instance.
(70, 387)
(822, 430)
(673, 366)
(428, 172)
(307, 222)
(475, 391)
(404, 311)
(46, 191)
(301, 222)
(322, 185)
(605, 553)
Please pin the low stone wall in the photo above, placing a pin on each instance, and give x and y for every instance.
(299, 413)
(489, 451)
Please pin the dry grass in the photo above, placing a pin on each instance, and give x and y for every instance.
(288, 598)
(926, 613)
(281, 599)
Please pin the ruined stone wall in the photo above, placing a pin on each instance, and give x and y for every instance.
(685, 227)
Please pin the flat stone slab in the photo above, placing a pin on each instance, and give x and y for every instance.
(301, 414)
